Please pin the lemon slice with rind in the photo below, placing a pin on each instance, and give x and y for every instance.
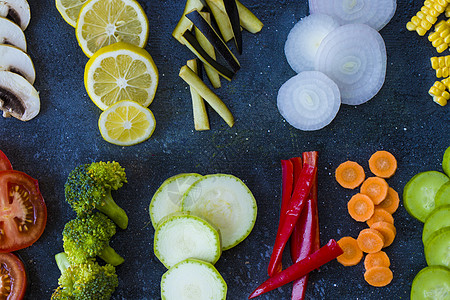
(104, 22)
(121, 72)
(69, 10)
(126, 123)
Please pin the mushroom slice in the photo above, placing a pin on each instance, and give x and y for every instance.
(16, 10)
(18, 98)
(15, 60)
(12, 34)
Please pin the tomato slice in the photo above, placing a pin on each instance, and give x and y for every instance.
(23, 213)
(13, 279)
(5, 164)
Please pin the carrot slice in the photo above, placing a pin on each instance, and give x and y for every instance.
(370, 240)
(387, 230)
(383, 164)
(377, 259)
(360, 207)
(379, 215)
(350, 174)
(352, 254)
(378, 276)
(376, 188)
(391, 202)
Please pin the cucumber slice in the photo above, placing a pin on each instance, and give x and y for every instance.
(193, 279)
(439, 218)
(180, 236)
(226, 202)
(437, 248)
(167, 198)
(419, 193)
(431, 283)
(443, 195)
(446, 162)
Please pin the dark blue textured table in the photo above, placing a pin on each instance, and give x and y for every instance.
(402, 119)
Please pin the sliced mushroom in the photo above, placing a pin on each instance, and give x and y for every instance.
(18, 98)
(16, 10)
(12, 34)
(15, 60)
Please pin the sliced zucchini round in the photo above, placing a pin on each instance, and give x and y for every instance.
(443, 195)
(193, 279)
(181, 235)
(446, 162)
(437, 247)
(439, 218)
(167, 198)
(226, 202)
(420, 191)
(431, 283)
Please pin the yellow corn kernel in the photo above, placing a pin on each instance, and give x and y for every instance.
(446, 82)
(439, 93)
(434, 62)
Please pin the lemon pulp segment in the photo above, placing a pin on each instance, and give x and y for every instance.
(69, 10)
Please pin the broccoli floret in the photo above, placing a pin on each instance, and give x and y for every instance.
(89, 186)
(88, 237)
(84, 281)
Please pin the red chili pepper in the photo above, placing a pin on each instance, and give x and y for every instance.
(298, 200)
(322, 256)
(311, 158)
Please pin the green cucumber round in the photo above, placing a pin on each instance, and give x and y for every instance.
(439, 218)
(446, 162)
(443, 195)
(437, 248)
(420, 191)
(431, 283)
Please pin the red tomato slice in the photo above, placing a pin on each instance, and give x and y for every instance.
(5, 164)
(13, 279)
(23, 214)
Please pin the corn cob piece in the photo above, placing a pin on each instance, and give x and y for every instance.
(441, 65)
(427, 16)
(439, 92)
(440, 38)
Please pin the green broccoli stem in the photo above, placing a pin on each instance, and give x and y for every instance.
(110, 256)
(62, 261)
(112, 210)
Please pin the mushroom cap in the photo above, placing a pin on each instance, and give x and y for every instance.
(18, 98)
(16, 10)
(15, 60)
(12, 34)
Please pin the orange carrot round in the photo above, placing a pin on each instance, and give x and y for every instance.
(352, 254)
(350, 174)
(391, 202)
(383, 164)
(370, 240)
(376, 188)
(379, 215)
(378, 276)
(377, 259)
(360, 207)
(387, 230)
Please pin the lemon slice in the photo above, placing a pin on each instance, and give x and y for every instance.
(121, 72)
(126, 123)
(104, 22)
(69, 10)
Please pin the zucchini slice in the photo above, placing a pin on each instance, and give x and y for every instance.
(226, 202)
(184, 23)
(443, 195)
(431, 283)
(167, 198)
(193, 279)
(181, 235)
(220, 16)
(437, 247)
(248, 20)
(446, 162)
(201, 121)
(233, 16)
(439, 218)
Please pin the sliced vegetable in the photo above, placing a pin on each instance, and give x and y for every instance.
(437, 247)
(443, 195)
(167, 198)
(309, 101)
(377, 259)
(370, 240)
(12, 34)
(419, 193)
(376, 188)
(387, 230)
(193, 279)
(233, 16)
(431, 283)
(17, 10)
(375, 14)
(446, 161)
(184, 23)
(438, 218)
(378, 276)
(360, 207)
(350, 174)
(317, 259)
(248, 20)
(391, 202)
(201, 120)
(13, 277)
(23, 213)
(226, 202)
(217, 8)
(5, 164)
(354, 57)
(304, 39)
(352, 254)
(379, 215)
(383, 164)
(180, 236)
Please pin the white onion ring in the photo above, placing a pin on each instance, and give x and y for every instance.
(304, 39)
(354, 57)
(309, 100)
(375, 13)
